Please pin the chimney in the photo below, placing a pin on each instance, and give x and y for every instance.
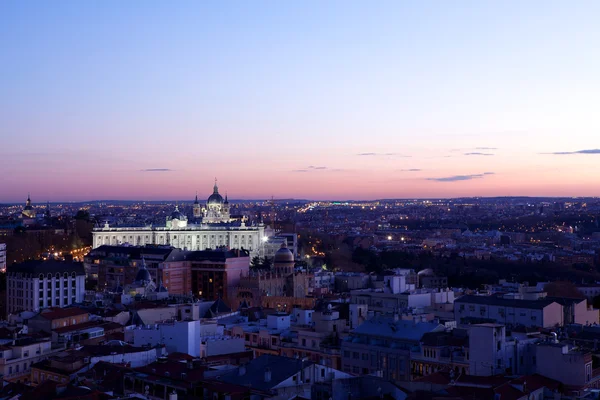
(267, 374)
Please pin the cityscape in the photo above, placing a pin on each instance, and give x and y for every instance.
(310, 200)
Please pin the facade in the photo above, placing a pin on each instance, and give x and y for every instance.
(545, 313)
(2, 257)
(567, 364)
(216, 273)
(117, 266)
(383, 345)
(440, 351)
(53, 318)
(177, 336)
(491, 352)
(433, 282)
(35, 285)
(281, 281)
(216, 229)
(16, 358)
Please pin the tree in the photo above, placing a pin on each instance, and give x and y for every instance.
(563, 289)
(255, 263)
(82, 215)
(266, 263)
(596, 302)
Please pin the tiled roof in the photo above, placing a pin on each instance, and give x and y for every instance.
(495, 301)
(281, 369)
(57, 313)
(401, 329)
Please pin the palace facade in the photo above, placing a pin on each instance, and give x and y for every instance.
(215, 229)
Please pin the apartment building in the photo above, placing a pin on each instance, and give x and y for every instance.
(35, 285)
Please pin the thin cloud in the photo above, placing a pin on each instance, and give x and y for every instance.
(411, 170)
(382, 155)
(486, 148)
(157, 170)
(458, 178)
(562, 153)
(314, 168)
(477, 153)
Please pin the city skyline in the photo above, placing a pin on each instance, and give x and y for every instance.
(337, 101)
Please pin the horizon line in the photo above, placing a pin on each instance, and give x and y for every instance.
(2, 203)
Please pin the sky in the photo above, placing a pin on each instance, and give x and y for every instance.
(152, 100)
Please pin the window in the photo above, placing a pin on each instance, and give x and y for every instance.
(322, 372)
(499, 345)
(355, 355)
(365, 356)
(303, 342)
(533, 360)
(521, 360)
(273, 341)
(346, 354)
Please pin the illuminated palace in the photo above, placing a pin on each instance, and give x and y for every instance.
(215, 228)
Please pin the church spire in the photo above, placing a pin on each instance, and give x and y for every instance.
(216, 188)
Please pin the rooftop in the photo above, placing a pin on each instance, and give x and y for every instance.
(498, 301)
(57, 313)
(36, 267)
(281, 369)
(401, 329)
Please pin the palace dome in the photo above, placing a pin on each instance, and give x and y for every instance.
(143, 275)
(283, 255)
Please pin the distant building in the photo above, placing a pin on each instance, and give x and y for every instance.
(2, 257)
(216, 229)
(546, 312)
(28, 210)
(35, 285)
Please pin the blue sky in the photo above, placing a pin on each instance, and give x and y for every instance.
(94, 93)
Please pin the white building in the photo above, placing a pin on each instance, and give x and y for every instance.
(2, 257)
(17, 357)
(34, 285)
(544, 313)
(216, 229)
(177, 336)
(492, 353)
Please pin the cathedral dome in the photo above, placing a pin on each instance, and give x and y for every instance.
(283, 255)
(177, 214)
(215, 198)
